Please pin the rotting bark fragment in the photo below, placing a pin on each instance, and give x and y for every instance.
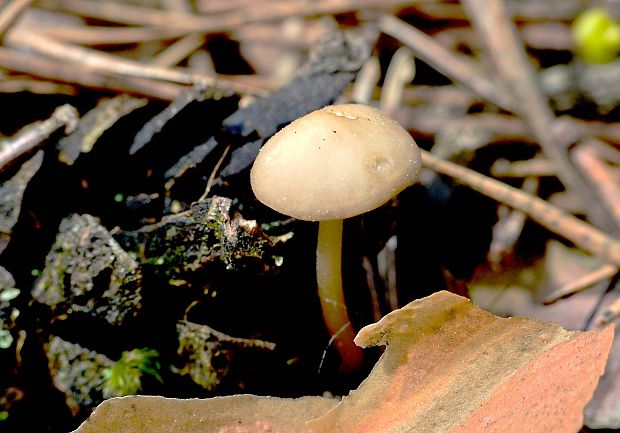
(87, 271)
(333, 64)
(11, 195)
(77, 372)
(8, 313)
(209, 232)
(208, 353)
(37, 134)
(94, 124)
(199, 92)
(191, 159)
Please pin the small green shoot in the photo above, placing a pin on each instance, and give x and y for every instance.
(125, 376)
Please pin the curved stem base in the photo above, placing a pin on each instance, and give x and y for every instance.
(329, 281)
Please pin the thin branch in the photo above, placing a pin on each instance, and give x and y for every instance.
(100, 35)
(580, 233)
(492, 20)
(509, 226)
(459, 68)
(424, 122)
(85, 76)
(536, 167)
(9, 14)
(604, 181)
(216, 168)
(601, 274)
(178, 51)
(29, 138)
(115, 65)
(122, 13)
(19, 84)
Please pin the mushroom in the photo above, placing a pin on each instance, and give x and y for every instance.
(335, 163)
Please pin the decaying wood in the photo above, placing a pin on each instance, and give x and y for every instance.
(87, 272)
(11, 195)
(34, 135)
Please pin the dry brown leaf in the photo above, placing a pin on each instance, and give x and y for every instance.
(231, 414)
(449, 367)
(452, 367)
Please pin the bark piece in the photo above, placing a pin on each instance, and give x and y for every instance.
(87, 271)
(11, 195)
(208, 354)
(206, 233)
(94, 124)
(77, 372)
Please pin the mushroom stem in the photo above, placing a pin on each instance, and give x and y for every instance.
(329, 280)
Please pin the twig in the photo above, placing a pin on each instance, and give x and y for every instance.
(97, 35)
(608, 314)
(548, 10)
(423, 122)
(177, 5)
(183, 47)
(114, 65)
(509, 58)
(26, 84)
(85, 76)
(557, 221)
(457, 67)
(10, 13)
(535, 167)
(218, 7)
(605, 183)
(133, 15)
(65, 116)
(510, 224)
(548, 36)
(214, 172)
(542, 36)
(177, 52)
(603, 273)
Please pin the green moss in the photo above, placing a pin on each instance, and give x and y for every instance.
(125, 376)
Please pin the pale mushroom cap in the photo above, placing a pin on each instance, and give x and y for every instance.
(335, 163)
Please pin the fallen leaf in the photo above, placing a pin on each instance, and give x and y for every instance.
(451, 367)
(231, 414)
